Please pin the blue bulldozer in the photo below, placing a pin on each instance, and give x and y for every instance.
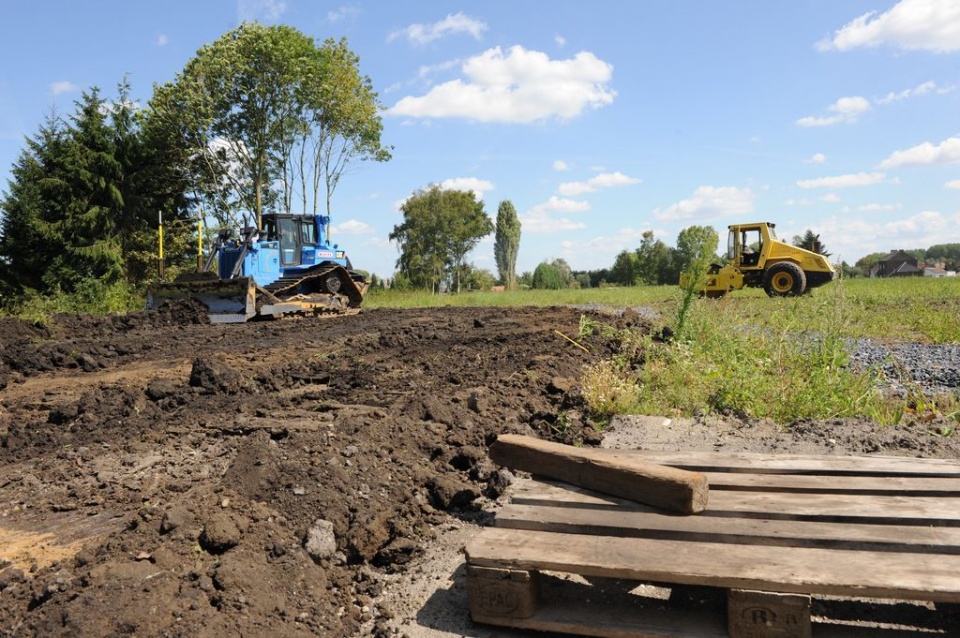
(286, 267)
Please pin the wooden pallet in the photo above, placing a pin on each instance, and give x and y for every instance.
(789, 547)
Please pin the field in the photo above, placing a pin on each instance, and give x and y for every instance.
(165, 477)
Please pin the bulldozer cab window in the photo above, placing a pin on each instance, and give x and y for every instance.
(308, 231)
(269, 230)
(289, 242)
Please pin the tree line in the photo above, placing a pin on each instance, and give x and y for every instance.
(263, 119)
(652, 263)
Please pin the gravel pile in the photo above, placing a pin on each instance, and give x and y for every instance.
(932, 369)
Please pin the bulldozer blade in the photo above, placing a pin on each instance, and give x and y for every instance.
(228, 300)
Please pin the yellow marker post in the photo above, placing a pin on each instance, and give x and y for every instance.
(160, 235)
(200, 242)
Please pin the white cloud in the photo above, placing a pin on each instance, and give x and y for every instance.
(850, 237)
(946, 152)
(63, 87)
(928, 25)
(842, 181)
(919, 223)
(252, 10)
(352, 227)
(572, 189)
(817, 158)
(476, 185)
(921, 89)
(709, 202)
(560, 40)
(162, 40)
(453, 24)
(845, 110)
(425, 71)
(603, 180)
(954, 183)
(561, 205)
(540, 222)
(540, 218)
(560, 165)
(830, 198)
(342, 13)
(520, 86)
(879, 208)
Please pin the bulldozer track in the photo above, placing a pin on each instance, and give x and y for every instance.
(313, 280)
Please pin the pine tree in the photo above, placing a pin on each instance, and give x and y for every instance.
(810, 241)
(84, 198)
(26, 245)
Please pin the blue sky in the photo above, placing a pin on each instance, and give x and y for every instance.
(598, 120)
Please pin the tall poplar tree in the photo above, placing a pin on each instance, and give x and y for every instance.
(507, 243)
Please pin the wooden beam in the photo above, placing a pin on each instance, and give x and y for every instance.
(598, 470)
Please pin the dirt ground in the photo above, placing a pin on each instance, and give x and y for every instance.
(160, 476)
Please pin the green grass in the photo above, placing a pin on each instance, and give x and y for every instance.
(634, 296)
(92, 297)
(783, 358)
(907, 309)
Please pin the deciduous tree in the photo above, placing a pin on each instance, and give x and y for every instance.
(695, 244)
(265, 112)
(624, 269)
(654, 260)
(547, 277)
(440, 227)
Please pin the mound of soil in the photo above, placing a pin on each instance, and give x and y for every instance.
(165, 477)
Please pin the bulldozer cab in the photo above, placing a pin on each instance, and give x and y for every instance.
(292, 233)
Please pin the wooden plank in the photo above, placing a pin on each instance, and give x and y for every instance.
(757, 463)
(799, 570)
(666, 487)
(654, 524)
(896, 510)
(902, 485)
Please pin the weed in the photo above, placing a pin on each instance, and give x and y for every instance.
(588, 327)
(561, 425)
(608, 390)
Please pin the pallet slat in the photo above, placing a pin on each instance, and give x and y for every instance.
(638, 524)
(799, 570)
(903, 510)
(756, 463)
(895, 485)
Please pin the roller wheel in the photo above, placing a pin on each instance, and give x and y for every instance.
(332, 283)
(784, 280)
